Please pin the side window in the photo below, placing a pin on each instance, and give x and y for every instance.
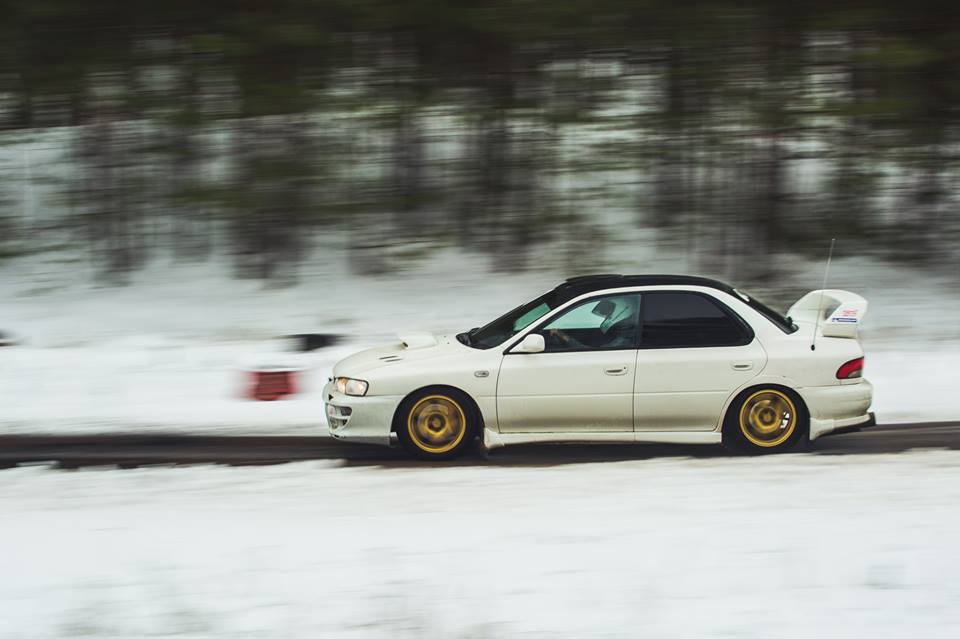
(683, 320)
(605, 323)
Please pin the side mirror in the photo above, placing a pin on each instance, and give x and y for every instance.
(532, 343)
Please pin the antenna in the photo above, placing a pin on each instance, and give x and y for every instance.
(826, 273)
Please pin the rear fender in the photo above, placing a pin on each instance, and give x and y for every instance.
(756, 382)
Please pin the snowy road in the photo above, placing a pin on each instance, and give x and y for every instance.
(790, 546)
(134, 450)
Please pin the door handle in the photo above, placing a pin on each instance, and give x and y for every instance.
(621, 370)
(742, 366)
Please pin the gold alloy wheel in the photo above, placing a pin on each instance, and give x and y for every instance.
(436, 424)
(768, 418)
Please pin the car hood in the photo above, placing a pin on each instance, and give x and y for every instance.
(412, 347)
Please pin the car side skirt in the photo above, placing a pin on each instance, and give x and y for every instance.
(493, 439)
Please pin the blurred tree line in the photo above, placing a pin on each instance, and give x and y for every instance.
(740, 130)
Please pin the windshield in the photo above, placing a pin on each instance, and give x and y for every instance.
(503, 328)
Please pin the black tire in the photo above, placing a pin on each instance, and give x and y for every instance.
(436, 423)
(754, 423)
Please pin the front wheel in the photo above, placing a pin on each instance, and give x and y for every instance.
(764, 420)
(436, 424)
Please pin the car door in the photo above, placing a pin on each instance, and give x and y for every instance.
(583, 380)
(694, 352)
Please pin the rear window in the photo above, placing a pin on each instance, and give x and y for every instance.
(687, 320)
(785, 324)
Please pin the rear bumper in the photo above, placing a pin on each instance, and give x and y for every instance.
(843, 407)
(852, 429)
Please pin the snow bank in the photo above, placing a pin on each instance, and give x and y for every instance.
(788, 546)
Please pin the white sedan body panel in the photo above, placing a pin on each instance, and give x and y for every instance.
(671, 395)
(680, 389)
(589, 392)
(395, 371)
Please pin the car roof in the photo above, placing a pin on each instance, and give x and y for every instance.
(588, 283)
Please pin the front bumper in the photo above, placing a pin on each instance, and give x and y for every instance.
(843, 407)
(365, 419)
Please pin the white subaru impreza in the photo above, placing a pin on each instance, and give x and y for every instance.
(616, 359)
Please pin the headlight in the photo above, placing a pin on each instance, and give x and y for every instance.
(349, 386)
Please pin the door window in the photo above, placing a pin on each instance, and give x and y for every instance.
(679, 319)
(605, 323)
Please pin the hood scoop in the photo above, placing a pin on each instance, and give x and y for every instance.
(391, 358)
(417, 340)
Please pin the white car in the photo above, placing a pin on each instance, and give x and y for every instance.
(616, 358)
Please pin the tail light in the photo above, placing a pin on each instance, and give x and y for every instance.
(851, 370)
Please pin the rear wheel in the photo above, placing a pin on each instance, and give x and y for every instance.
(765, 420)
(436, 423)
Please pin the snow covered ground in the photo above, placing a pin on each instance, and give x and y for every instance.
(169, 352)
(785, 546)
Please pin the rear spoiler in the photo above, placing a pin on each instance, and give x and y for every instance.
(840, 312)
